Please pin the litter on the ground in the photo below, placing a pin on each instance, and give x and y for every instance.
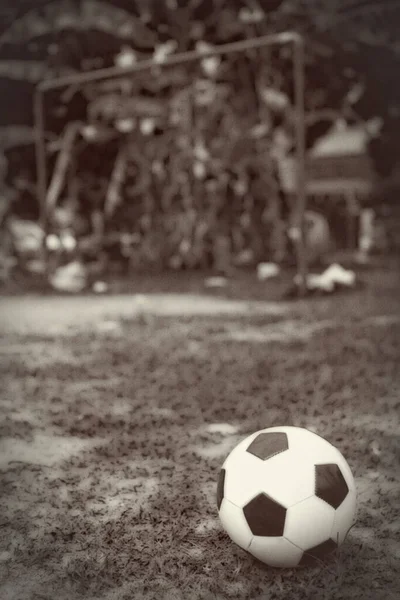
(100, 287)
(332, 279)
(71, 278)
(267, 270)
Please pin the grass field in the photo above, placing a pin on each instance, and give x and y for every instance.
(113, 434)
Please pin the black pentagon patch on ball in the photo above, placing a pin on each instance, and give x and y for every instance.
(267, 444)
(311, 556)
(330, 484)
(220, 487)
(265, 517)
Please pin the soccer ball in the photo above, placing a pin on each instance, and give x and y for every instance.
(287, 496)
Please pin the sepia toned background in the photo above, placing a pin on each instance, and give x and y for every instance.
(149, 309)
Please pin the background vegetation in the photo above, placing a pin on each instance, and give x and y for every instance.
(184, 160)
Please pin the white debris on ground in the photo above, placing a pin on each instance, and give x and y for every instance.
(100, 287)
(71, 278)
(267, 270)
(222, 428)
(218, 450)
(334, 277)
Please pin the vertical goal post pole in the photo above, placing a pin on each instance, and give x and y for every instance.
(80, 79)
(41, 169)
(301, 176)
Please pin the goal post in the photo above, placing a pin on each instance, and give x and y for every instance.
(79, 79)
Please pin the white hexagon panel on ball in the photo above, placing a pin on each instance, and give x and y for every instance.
(275, 551)
(235, 524)
(309, 523)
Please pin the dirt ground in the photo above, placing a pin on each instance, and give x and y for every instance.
(118, 411)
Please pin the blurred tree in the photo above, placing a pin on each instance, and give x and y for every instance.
(352, 59)
(43, 38)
